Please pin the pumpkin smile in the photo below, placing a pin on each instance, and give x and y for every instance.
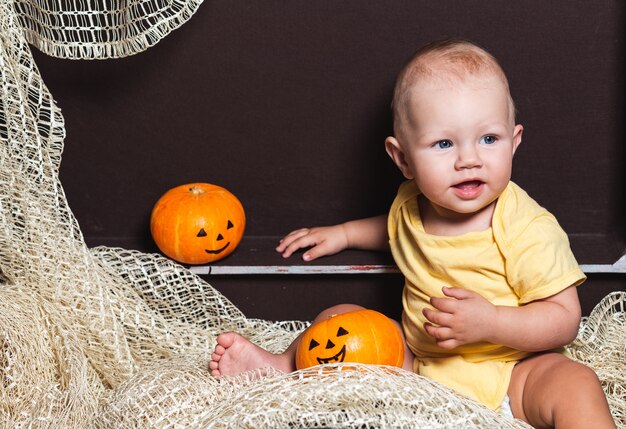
(216, 251)
(339, 357)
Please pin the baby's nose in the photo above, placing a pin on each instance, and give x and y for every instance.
(468, 157)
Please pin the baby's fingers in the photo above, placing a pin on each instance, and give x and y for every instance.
(444, 337)
(322, 248)
(294, 235)
(437, 317)
(287, 240)
(302, 243)
(447, 305)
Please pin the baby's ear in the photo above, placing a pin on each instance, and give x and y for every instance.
(394, 149)
(517, 136)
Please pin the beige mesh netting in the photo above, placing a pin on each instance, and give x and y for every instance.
(111, 338)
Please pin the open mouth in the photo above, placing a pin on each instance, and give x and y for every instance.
(469, 185)
(469, 189)
(339, 357)
(216, 251)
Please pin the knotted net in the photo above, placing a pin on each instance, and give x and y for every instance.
(112, 338)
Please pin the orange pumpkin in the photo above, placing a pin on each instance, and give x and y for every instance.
(197, 223)
(362, 336)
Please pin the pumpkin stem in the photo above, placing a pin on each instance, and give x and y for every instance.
(196, 190)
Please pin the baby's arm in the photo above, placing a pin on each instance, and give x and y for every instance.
(466, 317)
(367, 234)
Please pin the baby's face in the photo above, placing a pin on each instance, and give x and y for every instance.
(458, 141)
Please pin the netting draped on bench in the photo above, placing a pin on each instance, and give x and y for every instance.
(115, 338)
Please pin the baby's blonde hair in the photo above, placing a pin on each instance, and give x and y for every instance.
(448, 60)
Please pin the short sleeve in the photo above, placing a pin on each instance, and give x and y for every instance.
(539, 262)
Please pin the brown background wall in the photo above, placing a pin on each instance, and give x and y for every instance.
(287, 105)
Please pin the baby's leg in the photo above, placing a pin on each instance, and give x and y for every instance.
(234, 354)
(550, 390)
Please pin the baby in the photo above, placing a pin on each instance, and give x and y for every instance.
(490, 281)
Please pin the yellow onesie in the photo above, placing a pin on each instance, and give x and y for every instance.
(523, 257)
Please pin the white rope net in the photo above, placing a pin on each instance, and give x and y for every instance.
(99, 29)
(111, 338)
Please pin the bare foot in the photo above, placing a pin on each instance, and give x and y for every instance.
(234, 354)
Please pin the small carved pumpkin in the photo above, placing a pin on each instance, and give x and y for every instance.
(362, 336)
(197, 223)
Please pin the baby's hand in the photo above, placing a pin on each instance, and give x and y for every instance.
(326, 240)
(465, 317)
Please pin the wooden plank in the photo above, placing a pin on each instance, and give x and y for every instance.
(294, 269)
(617, 267)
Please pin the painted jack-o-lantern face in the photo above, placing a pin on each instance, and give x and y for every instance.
(363, 336)
(197, 223)
(220, 238)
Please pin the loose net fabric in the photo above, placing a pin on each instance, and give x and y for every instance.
(100, 29)
(112, 338)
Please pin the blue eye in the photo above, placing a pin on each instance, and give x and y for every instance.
(488, 140)
(444, 144)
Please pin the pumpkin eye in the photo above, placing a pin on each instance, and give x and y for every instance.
(341, 332)
(313, 344)
(230, 225)
(201, 233)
